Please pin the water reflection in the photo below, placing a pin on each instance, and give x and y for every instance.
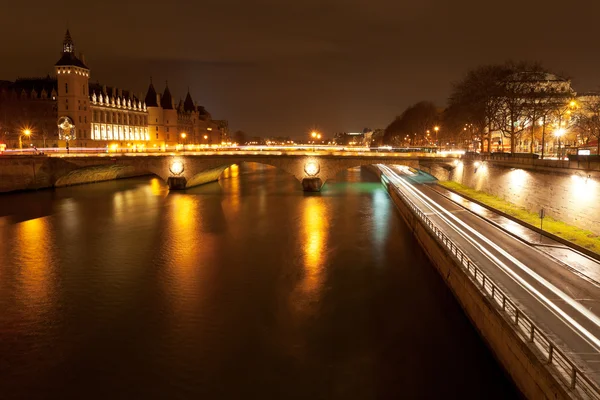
(315, 228)
(197, 294)
(33, 248)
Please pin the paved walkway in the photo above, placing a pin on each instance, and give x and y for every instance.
(576, 261)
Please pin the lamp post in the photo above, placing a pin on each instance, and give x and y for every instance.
(436, 129)
(66, 130)
(183, 136)
(26, 132)
(558, 133)
(67, 138)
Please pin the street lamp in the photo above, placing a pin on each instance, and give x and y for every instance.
(558, 133)
(66, 130)
(436, 129)
(26, 132)
(183, 136)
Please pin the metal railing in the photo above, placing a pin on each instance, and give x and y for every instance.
(581, 164)
(571, 375)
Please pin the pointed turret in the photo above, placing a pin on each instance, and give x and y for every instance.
(68, 46)
(68, 54)
(166, 102)
(151, 96)
(188, 105)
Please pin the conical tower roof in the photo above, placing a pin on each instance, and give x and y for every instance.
(166, 100)
(151, 96)
(188, 104)
(68, 57)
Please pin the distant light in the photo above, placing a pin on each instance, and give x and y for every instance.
(176, 167)
(559, 132)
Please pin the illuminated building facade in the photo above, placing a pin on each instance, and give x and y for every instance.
(69, 110)
(184, 124)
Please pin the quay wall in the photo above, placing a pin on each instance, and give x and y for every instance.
(519, 360)
(566, 194)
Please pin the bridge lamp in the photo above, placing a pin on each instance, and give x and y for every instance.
(312, 168)
(176, 167)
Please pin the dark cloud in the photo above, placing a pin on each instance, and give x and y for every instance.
(282, 67)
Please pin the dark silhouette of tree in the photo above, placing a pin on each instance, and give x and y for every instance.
(412, 125)
(476, 100)
(240, 137)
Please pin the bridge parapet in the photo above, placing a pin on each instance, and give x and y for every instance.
(182, 171)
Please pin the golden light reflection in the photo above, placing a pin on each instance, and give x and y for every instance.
(34, 246)
(182, 241)
(583, 190)
(156, 188)
(314, 237)
(231, 181)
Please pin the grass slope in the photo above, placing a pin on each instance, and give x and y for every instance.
(581, 237)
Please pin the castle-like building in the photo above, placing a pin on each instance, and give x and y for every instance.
(69, 110)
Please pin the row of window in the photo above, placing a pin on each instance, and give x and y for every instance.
(102, 132)
(119, 118)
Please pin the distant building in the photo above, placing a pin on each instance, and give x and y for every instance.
(68, 108)
(353, 138)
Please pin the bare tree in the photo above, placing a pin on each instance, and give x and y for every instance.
(476, 101)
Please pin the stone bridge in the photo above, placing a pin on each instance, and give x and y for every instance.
(182, 171)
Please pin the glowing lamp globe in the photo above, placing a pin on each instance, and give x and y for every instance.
(312, 168)
(176, 167)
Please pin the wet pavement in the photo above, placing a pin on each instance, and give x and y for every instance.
(578, 262)
(572, 259)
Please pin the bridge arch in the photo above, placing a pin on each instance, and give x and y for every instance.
(183, 171)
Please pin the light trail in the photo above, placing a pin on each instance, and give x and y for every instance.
(587, 336)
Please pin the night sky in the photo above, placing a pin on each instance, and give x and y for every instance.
(275, 67)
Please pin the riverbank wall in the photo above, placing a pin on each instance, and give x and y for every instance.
(521, 361)
(570, 195)
(39, 172)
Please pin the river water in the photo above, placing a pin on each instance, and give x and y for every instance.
(245, 288)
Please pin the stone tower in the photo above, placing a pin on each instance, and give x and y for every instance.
(73, 98)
